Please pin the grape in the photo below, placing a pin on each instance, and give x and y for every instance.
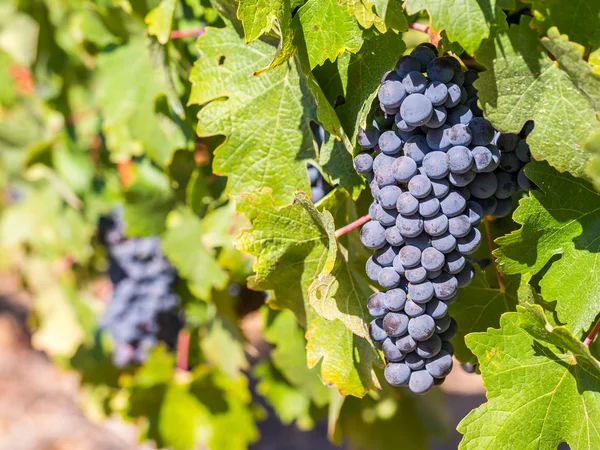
(416, 110)
(428, 206)
(453, 95)
(438, 118)
(383, 120)
(471, 92)
(391, 93)
(397, 374)
(398, 267)
(435, 165)
(474, 212)
(461, 180)
(421, 328)
(389, 143)
(450, 332)
(367, 138)
(395, 323)
(442, 324)
(413, 309)
(390, 350)
(522, 151)
(385, 255)
(421, 292)
(429, 348)
(409, 256)
(438, 139)
(394, 299)
(409, 226)
(503, 208)
(465, 276)
(453, 204)
(404, 168)
(440, 365)
(459, 134)
(488, 205)
(437, 93)
(421, 242)
(460, 115)
(424, 55)
(436, 225)
(507, 142)
(414, 361)
(383, 160)
(414, 82)
(363, 163)
(440, 69)
(444, 286)
(376, 306)
(388, 278)
(459, 226)
(416, 274)
(407, 204)
(391, 75)
(406, 343)
(484, 185)
(470, 77)
(507, 184)
(432, 259)
(458, 78)
(455, 262)
(444, 242)
(372, 235)
(510, 162)
(481, 130)
(407, 64)
(482, 158)
(433, 274)
(388, 196)
(393, 236)
(474, 106)
(419, 186)
(376, 330)
(524, 182)
(440, 187)
(384, 176)
(436, 308)
(470, 243)
(372, 269)
(386, 217)
(459, 159)
(416, 148)
(313, 172)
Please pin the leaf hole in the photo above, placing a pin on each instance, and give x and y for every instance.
(339, 101)
(221, 60)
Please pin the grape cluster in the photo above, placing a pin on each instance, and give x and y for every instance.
(435, 167)
(318, 186)
(143, 307)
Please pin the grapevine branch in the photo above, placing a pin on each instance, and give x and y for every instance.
(592, 335)
(179, 34)
(183, 349)
(434, 37)
(351, 226)
(490, 240)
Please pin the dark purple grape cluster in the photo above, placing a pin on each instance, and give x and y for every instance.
(436, 168)
(143, 309)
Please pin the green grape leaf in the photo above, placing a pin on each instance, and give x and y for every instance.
(265, 117)
(356, 78)
(578, 19)
(593, 169)
(522, 83)
(566, 225)
(479, 307)
(182, 244)
(160, 20)
(467, 22)
(131, 96)
(382, 14)
(327, 31)
(542, 387)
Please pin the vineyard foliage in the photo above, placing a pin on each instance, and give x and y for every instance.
(196, 119)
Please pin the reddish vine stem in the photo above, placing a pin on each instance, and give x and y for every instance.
(490, 240)
(592, 335)
(179, 34)
(434, 37)
(183, 349)
(351, 226)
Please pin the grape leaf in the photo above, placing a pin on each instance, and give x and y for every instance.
(160, 20)
(183, 247)
(522, 83)
(578, 19)
(542, 386)
(327, 31)
(131, 86)
(467, 22)
(265, 117)
(566, 225)
(388, 14)
(593, 168)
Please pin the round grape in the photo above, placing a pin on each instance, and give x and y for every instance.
(388, 196)
(416, 148)
(438, 138)
(409, 256)
(440, 365)
(404, 168)
(383, 160)
(384, 176)
(430, 347)
(484, 185)
(461, 180)
(453, 204)
(393, 236)
(465, 276)
(460, 115)
(474, 212)
(437, 93)
(397, 374)
(413, 309)
(470, 243)
(390, 143)
(385, 255)
(390, 75)
(459, 134)
(522, 151)
(482, 131)
(453, 95)
(459, 226)
(436, 308)
(416, 274)
(376, 330)
(409, 226)
(503, 208)
(372, 269)
(510, 162)
(388, 278)
(524, 182)
(386, 217)
(375, 305)
(435, 165)
(442, 324)
(436, 225)
(459, 159)
(445, 286)
(372, 235)
(363, 163)
(398, 267)
(507, 184)
(391, 93)
(440, 69)
(455, 262)
(407, 64)
(416, 110)
(406, 344)
(432, 259)
(424, 55)
(407, 204)
(482, 158)
(414, 82)
(394, 299)
(421, 292)
(440, 188)
(395, 323)
(414, 361)
(368, 138)
(421, 328)
(488, 205)
(390, 351)
(507, 142)
(444, 242)
(450, 332)
(438, 118)
(429, 206)
(419, 186)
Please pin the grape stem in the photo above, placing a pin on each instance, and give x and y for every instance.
(351, 226)
(592, 335)
(486, 223)
(183, 349)
(179, 34)
(434, 37)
